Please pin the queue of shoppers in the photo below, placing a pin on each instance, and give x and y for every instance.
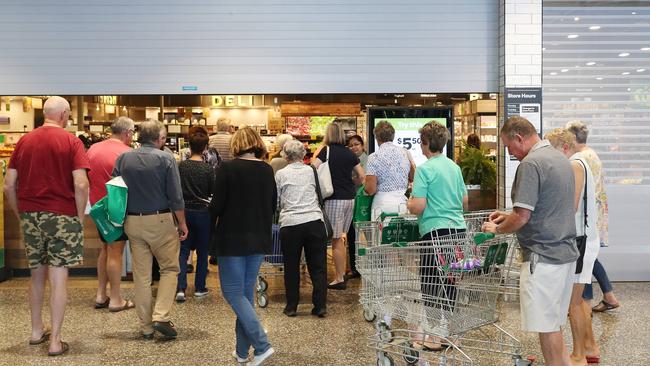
(226, 210)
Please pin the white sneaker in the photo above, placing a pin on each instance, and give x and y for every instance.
(259, 359)
(180, 296)
(201, 293)
(239, 359)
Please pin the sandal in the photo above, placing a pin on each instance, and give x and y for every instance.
(604, 306)
(44, 337)
(128, 304)
(102, 305)
(593, 359)
(64, 348)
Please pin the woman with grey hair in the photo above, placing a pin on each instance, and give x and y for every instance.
(301, 226)
(278, 161)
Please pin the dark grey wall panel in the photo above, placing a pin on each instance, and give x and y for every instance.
(310, 46)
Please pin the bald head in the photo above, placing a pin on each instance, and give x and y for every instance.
(56, 110)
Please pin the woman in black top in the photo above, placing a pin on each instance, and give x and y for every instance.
(197, 182)
(339, 206)
(244, 209)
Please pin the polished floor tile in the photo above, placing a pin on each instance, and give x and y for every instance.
(206, 330)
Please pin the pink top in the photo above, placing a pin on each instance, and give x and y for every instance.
(102, 156)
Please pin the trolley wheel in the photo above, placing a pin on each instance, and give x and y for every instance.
(385, 335)
(369, 316)
(411, 356)
(262, 285)
(386, 360)
(262, 300)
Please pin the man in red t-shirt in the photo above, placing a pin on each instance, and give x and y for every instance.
(102, 158)
(47, 188)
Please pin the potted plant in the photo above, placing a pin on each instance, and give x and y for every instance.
(480, 175)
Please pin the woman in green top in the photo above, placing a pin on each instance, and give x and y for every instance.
(438, 198)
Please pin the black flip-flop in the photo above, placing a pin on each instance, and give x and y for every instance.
(44, 337)
(128, 304)
(64, 348)
(102, 305)
(604, 306)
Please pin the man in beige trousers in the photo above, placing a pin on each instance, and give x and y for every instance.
(154, 198)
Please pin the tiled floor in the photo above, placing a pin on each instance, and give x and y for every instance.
(206, 331)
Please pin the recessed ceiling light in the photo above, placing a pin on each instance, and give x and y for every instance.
(572, 36)
(640, 70)
(645, 49)
(625, 73)
(624, 54)
(554, 73)
(594, 27)
(590, 63)
(634, 13)
(599, 78)
(543, 48)
(629, 89)
(576, 19)
(564, 70)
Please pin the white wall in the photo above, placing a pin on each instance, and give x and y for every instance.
(253, 47)
(17, 118)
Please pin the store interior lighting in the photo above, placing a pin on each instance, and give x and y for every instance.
(640, 70)
(625, 73)
(591, 63)
(594, 27)
(572, 36)
(623, 54)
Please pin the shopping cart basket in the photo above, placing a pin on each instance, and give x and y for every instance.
(445, 287)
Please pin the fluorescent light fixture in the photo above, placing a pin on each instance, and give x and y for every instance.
(629, 89)
(634, 13)
(640, 70)
(590, 63)
(624, 54)
(645, 49)
(564, 70)
(625, 73)
(543, 48)
(576, 19)
(594, 27)
(599, 78)
(554, 73)
(572, 36)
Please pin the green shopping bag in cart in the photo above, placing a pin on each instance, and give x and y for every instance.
(397, 229)
(362, 206)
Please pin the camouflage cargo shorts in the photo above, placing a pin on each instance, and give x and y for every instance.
(52, 239)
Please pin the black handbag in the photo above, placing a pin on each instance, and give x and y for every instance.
(329, 231)
(581, 241)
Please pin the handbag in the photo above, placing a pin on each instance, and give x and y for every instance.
(581, 241)
(324, 177)
(329, 231)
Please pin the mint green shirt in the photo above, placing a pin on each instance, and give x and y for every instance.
(440, 182)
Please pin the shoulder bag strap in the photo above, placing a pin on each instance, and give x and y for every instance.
(320, 198)
(584, 196)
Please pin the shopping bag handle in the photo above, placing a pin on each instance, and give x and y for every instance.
(480, 238)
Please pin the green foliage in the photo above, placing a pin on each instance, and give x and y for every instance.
(478, 168)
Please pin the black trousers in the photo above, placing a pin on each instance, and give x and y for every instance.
(352, 248)
(433, 284)
(310, 236)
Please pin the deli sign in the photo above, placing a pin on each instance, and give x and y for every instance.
(232, 101)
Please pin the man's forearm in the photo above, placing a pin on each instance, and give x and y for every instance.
(12, 201)
(512, 223)
(180, 216)
(81, 200)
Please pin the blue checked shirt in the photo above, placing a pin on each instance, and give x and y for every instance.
(391, 165)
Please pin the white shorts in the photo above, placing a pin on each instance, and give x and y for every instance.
(545, 296)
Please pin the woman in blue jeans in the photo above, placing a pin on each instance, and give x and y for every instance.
(197, 182)
(244, 206)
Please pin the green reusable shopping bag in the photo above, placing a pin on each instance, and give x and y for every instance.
(117, 194)
(398, 229)
(107, 229)
(362, 206)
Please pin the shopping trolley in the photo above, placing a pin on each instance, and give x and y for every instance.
(272, 265)
(445, 287)
(388, 228)
(511, 270)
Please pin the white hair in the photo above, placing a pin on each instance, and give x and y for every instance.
(293, 150)
(122, 124)
(283, 139)
(54, 106)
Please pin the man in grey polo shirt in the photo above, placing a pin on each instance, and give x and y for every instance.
(543, 218)
(154, 192)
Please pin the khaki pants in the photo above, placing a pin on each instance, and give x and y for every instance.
(153, 236)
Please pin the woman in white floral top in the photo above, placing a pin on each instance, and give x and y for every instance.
(609, 301)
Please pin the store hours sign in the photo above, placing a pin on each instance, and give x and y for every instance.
(407, 135)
